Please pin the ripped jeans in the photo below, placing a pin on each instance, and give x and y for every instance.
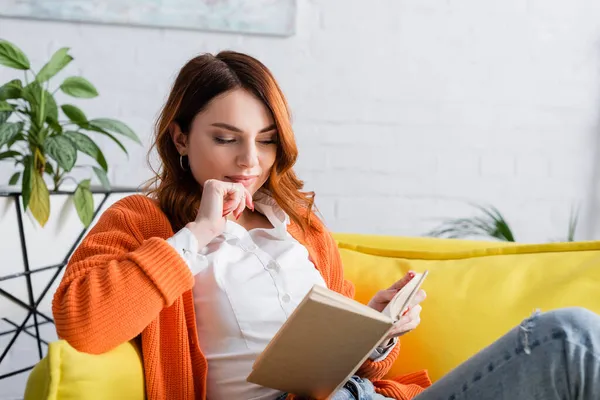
(553, 355)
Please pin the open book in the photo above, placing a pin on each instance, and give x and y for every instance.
(325, 340)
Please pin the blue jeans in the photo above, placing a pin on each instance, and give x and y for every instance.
(550, 356)
(554, 355)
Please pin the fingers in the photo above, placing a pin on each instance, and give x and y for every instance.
(236, 199)
(249, 202)
(419, 297)
(407, 323)
(241, 205)
(231, 197)
(415, 312)
(385, 296)
(402, 282)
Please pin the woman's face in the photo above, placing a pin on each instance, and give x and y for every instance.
(234, 139)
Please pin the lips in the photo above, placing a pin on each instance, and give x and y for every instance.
(243, 179)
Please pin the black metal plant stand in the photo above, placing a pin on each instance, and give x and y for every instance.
(39, 318)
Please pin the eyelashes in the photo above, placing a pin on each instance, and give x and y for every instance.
(219, 140)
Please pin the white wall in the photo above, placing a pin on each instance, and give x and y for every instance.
(403, 109)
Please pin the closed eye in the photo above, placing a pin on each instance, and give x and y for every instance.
(223, 141)
(271, 141)
(219, 140)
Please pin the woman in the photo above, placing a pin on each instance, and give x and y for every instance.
(207, 266)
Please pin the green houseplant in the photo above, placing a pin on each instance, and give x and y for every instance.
(491, 224)
(41, 143)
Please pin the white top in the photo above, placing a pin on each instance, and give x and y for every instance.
(247, 283)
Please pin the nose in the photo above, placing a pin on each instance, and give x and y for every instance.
(248, 156)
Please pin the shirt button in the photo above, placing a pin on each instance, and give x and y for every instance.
(286, 298)
(272, 265)
(251, 247)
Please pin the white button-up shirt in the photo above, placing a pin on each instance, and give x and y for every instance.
(247, 283)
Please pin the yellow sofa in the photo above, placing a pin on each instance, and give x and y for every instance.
(476, 292)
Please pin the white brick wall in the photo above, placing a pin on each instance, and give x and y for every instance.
(402, 107)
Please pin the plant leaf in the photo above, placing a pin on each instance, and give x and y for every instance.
(11, 90)
(33, 94)
(58, 61)
(102, 131)
(16, 138)
(26, 183)
(34, 135)
(51, 107)
(84, 202)
(102, 177)
(74, 114)
(5, 106)
(14, 178)
(9, 154)
(77, 86)
(63, 150)
(4, 116)
(11, 56)
(87, 146)
(114, 126)
(573, 221)
(8, 131)
(491, 225)
(39, 204)
(54, 125)
(49, 169)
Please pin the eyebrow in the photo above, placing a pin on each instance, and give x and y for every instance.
(236, 129)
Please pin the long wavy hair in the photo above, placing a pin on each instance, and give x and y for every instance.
(199, 81)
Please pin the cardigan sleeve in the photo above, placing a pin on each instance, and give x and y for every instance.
(120, 278)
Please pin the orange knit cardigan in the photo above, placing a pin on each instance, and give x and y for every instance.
(125, 281)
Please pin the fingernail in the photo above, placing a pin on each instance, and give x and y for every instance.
(411, 274)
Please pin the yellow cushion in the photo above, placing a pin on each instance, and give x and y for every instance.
(66, 374)
(476, 290)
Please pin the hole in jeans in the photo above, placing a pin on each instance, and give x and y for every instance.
(525, 329)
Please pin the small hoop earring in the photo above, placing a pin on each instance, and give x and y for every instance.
(181, 162)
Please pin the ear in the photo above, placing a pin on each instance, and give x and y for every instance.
(179, 138)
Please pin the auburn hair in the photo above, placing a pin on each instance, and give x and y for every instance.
(199, 81)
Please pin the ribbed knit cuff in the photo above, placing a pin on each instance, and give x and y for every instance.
(165, 267)
(420, 378)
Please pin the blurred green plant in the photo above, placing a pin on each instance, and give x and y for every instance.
(573, 220)
(490, 224)
(40, 143)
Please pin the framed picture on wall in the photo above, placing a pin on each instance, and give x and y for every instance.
(265, 17)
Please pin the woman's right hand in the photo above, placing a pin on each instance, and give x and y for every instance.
(219, 199)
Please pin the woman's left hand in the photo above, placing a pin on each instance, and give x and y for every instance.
(411, 320)
(412, 317)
